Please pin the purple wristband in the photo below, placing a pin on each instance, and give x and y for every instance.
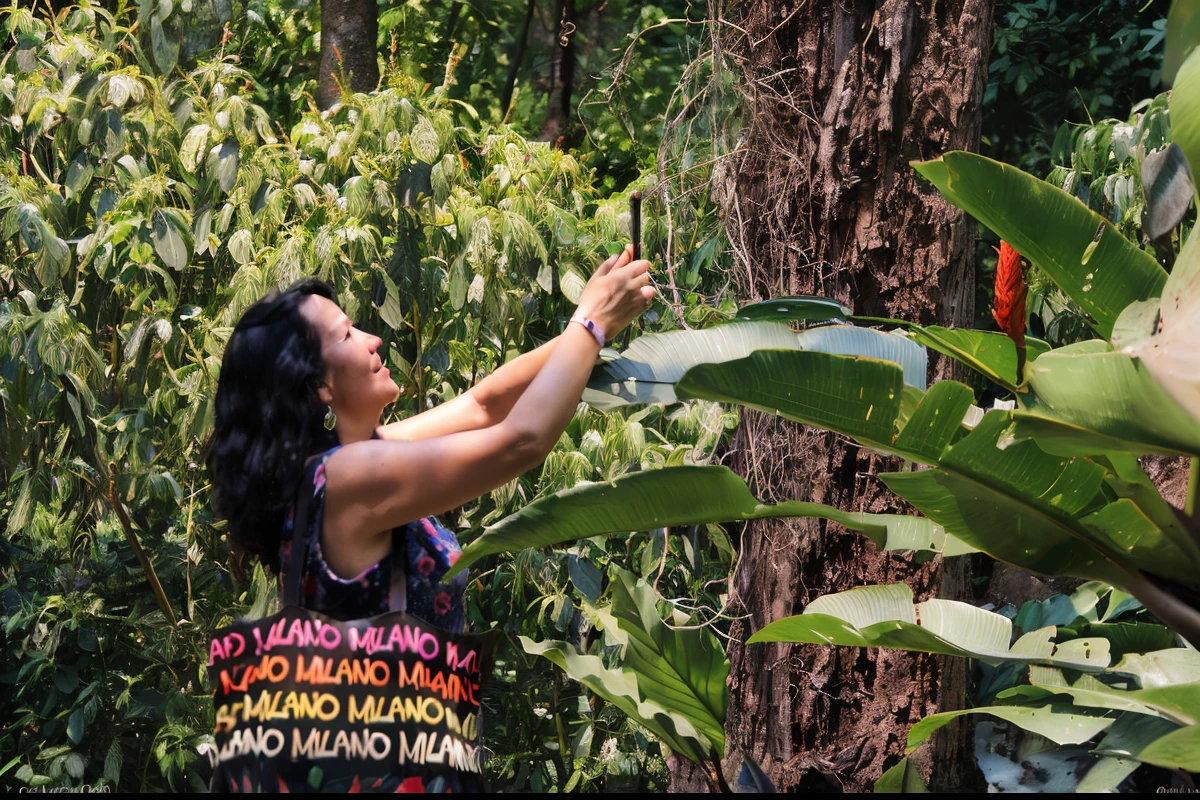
(594, 327)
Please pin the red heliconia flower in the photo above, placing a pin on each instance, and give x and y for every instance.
(355, 786)
(283, 787)
(1008, 308)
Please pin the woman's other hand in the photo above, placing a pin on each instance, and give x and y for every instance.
(617, 292)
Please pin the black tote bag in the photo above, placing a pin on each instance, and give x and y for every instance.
(305, 702)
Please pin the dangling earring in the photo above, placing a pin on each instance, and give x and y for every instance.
(330, 419)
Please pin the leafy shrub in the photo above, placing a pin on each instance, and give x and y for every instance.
(140, 213)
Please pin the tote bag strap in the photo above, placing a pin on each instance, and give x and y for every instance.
(398, 594)
(291, 582)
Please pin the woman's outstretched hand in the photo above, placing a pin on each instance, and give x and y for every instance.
(617, 292)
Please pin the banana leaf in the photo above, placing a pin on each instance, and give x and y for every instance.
(686, 495)
(1171, 356)
(1183, 34)
(901, 779)
(648, 371)
(1184, 107)
(1021, 505)
(885, 616)
(802, 307)
(991, 354)
(1098, 268)
(858, 397)
(1179, 703)
(1109, 401)
(1060, 723)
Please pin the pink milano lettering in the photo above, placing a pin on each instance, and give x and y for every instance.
(299, 633)
(401, 639)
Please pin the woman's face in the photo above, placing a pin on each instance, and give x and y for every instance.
(357, 384)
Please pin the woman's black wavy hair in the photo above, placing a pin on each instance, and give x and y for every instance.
(268, 418)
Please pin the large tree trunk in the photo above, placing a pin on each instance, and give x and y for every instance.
(843, 94)
(348, 32)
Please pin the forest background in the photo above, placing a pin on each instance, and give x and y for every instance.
(458, 209)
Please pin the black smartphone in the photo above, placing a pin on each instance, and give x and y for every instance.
(635, 223)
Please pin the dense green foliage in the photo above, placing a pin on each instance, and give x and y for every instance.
(143, 210)
(150, 193)
(1081, 60)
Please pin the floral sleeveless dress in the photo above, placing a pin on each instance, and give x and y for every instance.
(432, 550)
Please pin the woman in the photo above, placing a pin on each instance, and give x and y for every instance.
(299, 380)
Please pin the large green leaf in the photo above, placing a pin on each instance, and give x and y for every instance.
(1177, 750)
(858, 397)
(685, 495)
(1154, 724)
(1016, 503)
(996, 492)
(648, 371)
(936, 421)
(1171, 356)
(1129, 638)
(990, 353)
(1185, 112)
(1170, 667)
(1061, 724)
(802, 307)
(1098, 391)
(1183, 34)
(1132, 733)
(1153, 740)
(885, 616)
(989, 486)
(901, 779)
(620, 688)
(1054, 230)
(682, 670)
(1126, 479)
(1179, 702)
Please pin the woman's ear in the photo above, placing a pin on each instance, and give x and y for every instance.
(325, 394)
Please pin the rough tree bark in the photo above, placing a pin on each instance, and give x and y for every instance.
(349, 29)
(842, 94)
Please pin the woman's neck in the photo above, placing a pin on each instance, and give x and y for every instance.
(350, 431)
